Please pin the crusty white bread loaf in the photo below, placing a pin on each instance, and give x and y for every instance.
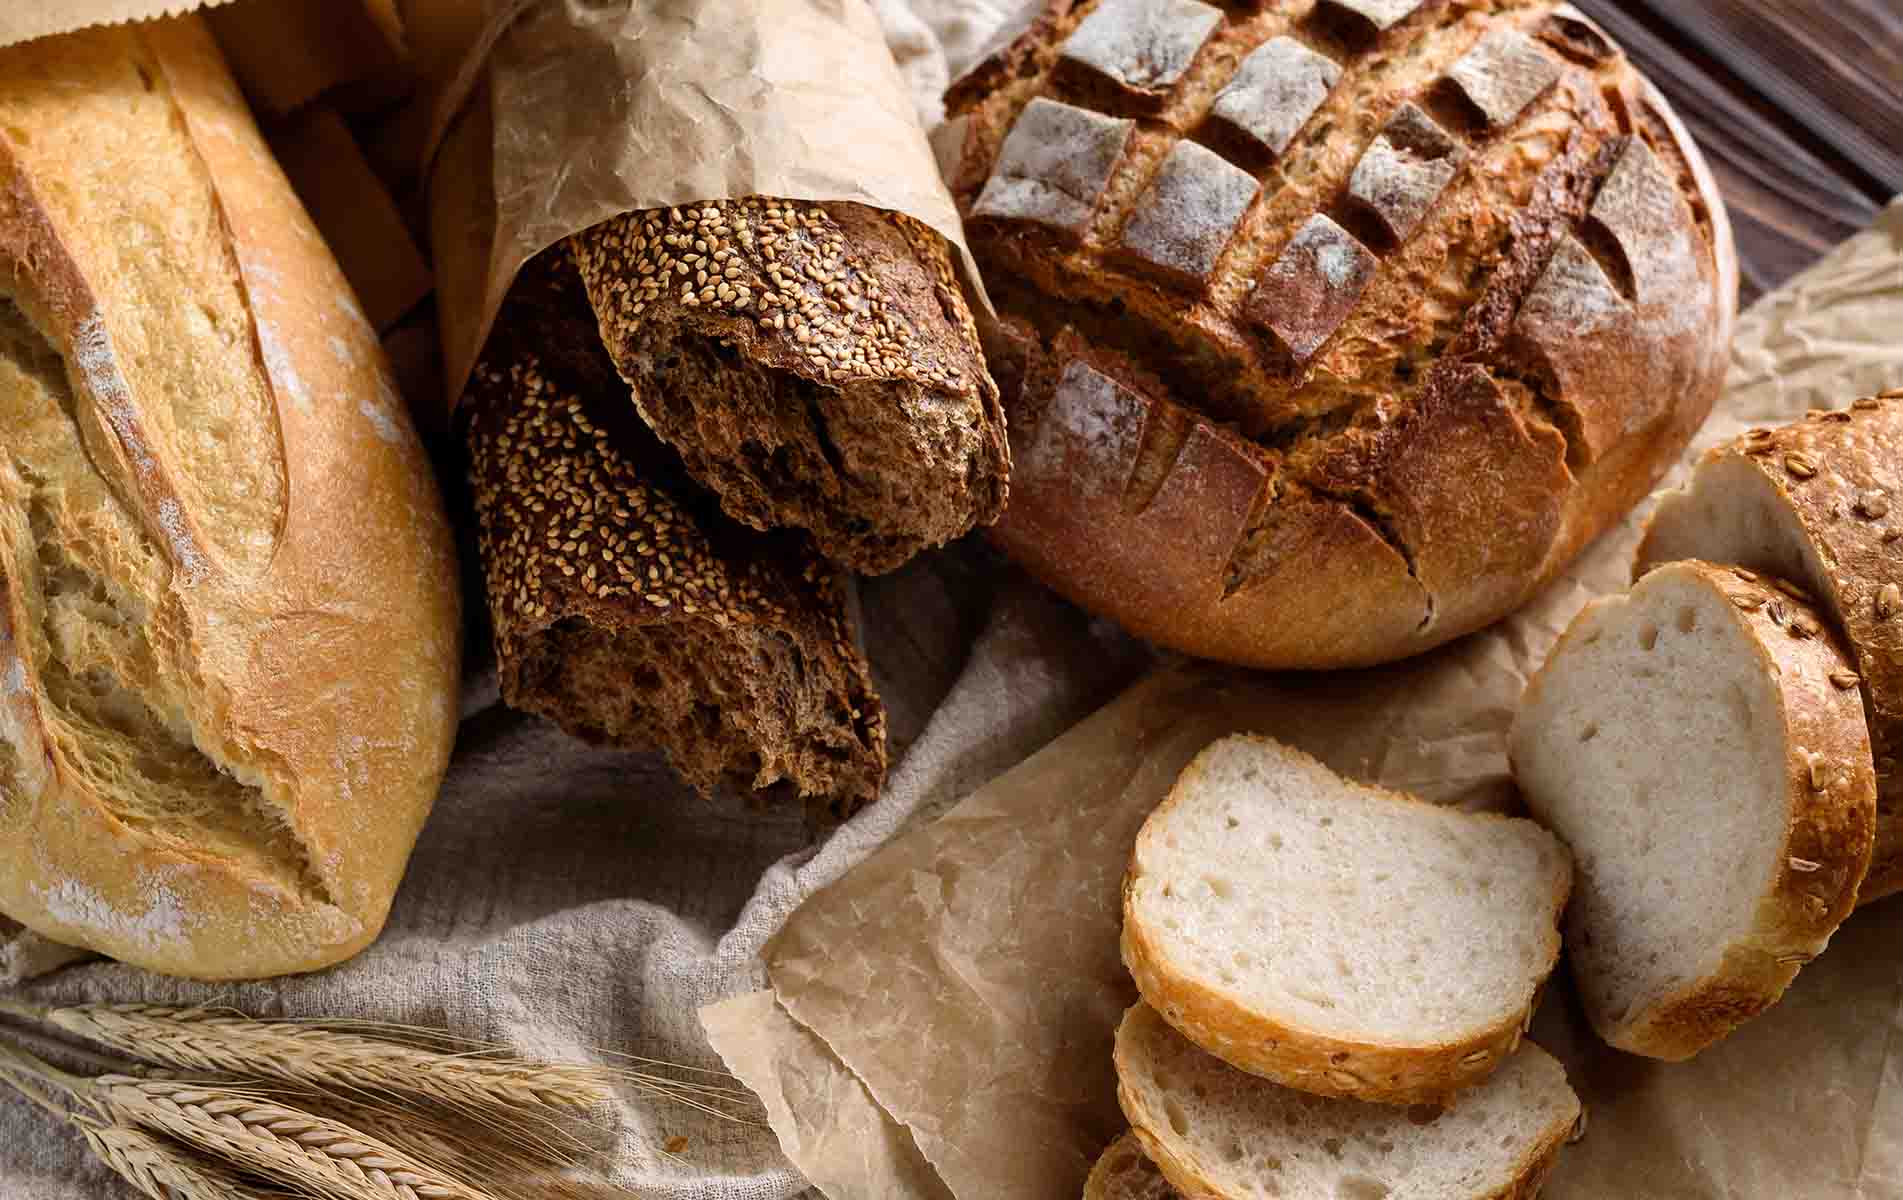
(229, 634)
(1215, 1131)
(1339, 938)
(1692, 742)
(1332, 336)
(1819, 503)
(1124, 1172)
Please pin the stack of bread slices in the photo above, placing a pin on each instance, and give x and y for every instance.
(1335, 978)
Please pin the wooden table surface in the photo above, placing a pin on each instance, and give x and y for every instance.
(1798, 105)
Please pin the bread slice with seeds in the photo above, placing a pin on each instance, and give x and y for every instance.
(815, 365)
(1820, 503)
(1124, 1172)
(1259, 920)
(1215, 1131)
(1688, 741)
(626, 608)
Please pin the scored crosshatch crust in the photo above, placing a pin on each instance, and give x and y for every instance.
(1586, 422)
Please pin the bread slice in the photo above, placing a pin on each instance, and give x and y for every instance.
(1336, 937)
(1212, 1130)
(1819, 503)
(626, 607)
(1691, 742)
(1126, 1173)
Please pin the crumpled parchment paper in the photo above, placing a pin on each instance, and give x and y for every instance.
(968, 976)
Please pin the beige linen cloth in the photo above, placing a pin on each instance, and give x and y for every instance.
(575, 904)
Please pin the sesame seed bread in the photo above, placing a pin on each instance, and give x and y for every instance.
(1300, 297)
(815, 365)
(1257, 918)
(229, 626)
(625, 606)
(1819, 503)
(1215, 1131)
(1124, 1172)
(1688, 741)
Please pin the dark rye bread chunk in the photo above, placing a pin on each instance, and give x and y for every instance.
(815, 365)
(1332, 329)
(626, 608)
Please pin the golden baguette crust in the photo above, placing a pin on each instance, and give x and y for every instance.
(1444, 343)
(1831, 787)
(1250, 1040)
(1839, 477)
(229, 614)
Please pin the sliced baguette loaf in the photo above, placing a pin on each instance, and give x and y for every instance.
(1215, 1131)
(1689, 742)
(1126, 1173)
(1339, 938)
(1812, 503)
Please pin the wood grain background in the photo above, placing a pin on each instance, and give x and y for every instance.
(1798, 104)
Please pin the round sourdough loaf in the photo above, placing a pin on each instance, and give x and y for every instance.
(1332, 329)
(228, 605)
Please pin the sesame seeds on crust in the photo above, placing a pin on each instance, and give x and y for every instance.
(783, 272)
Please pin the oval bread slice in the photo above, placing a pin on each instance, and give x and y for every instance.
(1335, 937)
(1715, 785)
(1819, 503)
(1215, 1131)
(1124, 1172)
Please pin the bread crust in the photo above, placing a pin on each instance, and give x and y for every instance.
(1303, 1058)
(1451, 459)
(1840, 490)
(317, 660)
(1528, 1176)
(1108, 1179)
(818, 368)
(1831, 787)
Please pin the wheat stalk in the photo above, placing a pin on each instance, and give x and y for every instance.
(159, 1169)
(311, 1153)
(199, 1040)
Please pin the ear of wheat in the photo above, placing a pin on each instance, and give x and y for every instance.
(160, 1169)
(307, 1152)
(200, 1040)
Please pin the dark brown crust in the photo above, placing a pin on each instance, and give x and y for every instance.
(1581, 425)
(1018, 50)
(642, 616)
(1855, 462)
(1250, 1040)
(816, 366)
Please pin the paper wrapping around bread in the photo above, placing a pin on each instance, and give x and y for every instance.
(968, 976)
(593, 111)
(229, 620)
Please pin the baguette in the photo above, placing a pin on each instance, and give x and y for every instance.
(1812, 503)
(1692, 744)
(1124, 1172)
(815, 365)
(1215, 1131)
(229, 627)
(625, 607)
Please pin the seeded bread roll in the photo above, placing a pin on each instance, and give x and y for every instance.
(1336, 327)
(229, 629)
(814, 364)
(1821, 503)
(626, 608)
(1690, 743)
